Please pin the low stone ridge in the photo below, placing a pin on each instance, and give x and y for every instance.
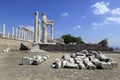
(35, 60)
(85, 60)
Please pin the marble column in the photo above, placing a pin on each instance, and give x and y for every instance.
(16, 34)
(44, 33)
(12, 31)
(19, 33)
(36, 27)
(23, 35)
(8, 35)
(51, 34)
(44, 28)
(38, 39)
(3, 30)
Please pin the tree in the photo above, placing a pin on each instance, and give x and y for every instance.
(103, 43)
(71, 39)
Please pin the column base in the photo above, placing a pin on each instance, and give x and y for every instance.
(36, 48)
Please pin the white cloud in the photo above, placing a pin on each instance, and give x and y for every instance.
(112, 20)
(109, 34)
(77, 27)
(116, 11)
(84, 16)
(97, 24)
(100, 8)
(64, 14)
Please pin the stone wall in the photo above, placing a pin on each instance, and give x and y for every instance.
(73, 48)
(13, 43)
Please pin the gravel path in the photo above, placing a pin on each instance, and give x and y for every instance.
(10, 69)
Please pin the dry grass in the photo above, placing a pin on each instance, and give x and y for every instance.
(11, 70)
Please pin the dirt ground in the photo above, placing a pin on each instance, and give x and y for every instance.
(11, 70)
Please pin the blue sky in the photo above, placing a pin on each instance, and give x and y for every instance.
(93, 20)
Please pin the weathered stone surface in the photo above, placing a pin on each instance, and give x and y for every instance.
(35, 60)
(84, 51)
(105, 65)
(91, 57)
(114, 64)
(70, 65)
(77, 60)
(84, 60)
(89, 64)
(45, 57)
(72, 55)
(6, 50)
(57, 64)
(27, 61)
(81, 65)
(66, 57)
(71, 60)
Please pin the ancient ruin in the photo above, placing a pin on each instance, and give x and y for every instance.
(45, 24)
(35, 60)
(85, 60)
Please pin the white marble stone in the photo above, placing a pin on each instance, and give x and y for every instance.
(3, 30)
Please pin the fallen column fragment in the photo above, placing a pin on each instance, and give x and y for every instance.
(85, 60)
(35, 60)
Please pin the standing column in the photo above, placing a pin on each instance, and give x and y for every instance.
(51, 35)
(19, 33)
(12, 31)
(38, 39)
(44, 33)
(36, 27)
(8, 35)
(44, 28)
(32, 38)
(3, 30)
(25, 35)
(16, 35)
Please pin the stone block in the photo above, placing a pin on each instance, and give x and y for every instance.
(35, 62)
(91, 57)
(90, 66)
(72, 55)
(105, 65)
(6, 50)
(70, 65)
(114, 64)
(44, 58)
(57, 64)
(97, 63)
(77, 60)
(84, 51)
(81, 65)
(27, 61)
(66, 57)
(72, 60)
(86, 60)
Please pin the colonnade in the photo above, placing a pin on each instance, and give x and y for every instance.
(21, 33)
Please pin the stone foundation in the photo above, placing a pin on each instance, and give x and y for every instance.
(13, 43)
(73, 48)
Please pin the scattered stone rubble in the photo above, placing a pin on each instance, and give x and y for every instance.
(35, 60)
(6, 50)
(85, 60)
